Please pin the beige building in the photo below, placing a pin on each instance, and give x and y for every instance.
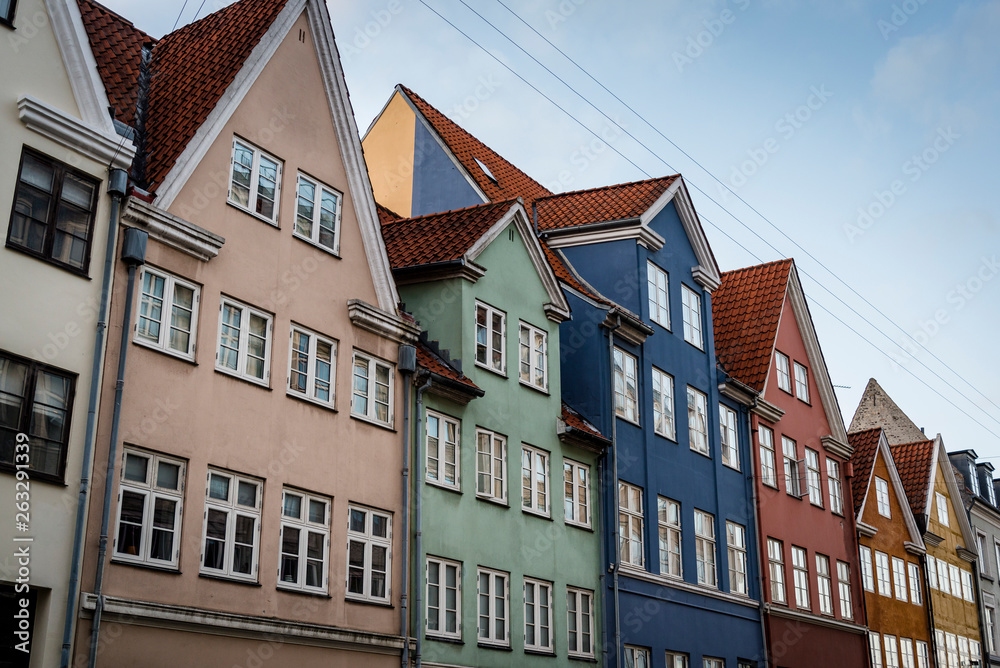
(256, 509)
(58, 145)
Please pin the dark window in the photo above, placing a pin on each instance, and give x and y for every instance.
(7, 11)
(53, 216)
(36, 400)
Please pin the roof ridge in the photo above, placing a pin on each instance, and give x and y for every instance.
(904, 445)
(613, 186)
(762, 265)
(474, 207)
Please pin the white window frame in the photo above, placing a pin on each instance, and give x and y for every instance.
(776, 570)
(658, 289)
(800, 570)
(541, 614)
(899, 579)
(691, 302)
(784, 371)
(942, 509)
(439, 615)
(990, 622)
(996, 553)
(254, 186)
(368, 538)
(668, 514)
(233, 509)
(913, 570)
(243, 344)
(984, 561)
(151, 491)
(676, 659)
(955, 576)
(844, 590)
(664, 417)
(438, 446)
(906, 657)
(496, 580)
(370, 395)
(768, 472)
(875, 640)
(314, 236)
(704, 549)
(162, 341)
(538, 501)
(580, 616)
(932, 577)
(728, 437)
(891, 651)
(882, 574)
(944, 582)
(835, 486)
(923, 654)
(824, 584)
(736, 547)
(305, 525)
(867, 571)
(631, 514)
(789, 457)
(537, 378)
(813, 483)
(313, 381)
(496, 454)
(882, 497)
(951, 644)
(697, 407)
(967, 593)
(801, 382)
(636, 657)
(489, 331)
(576, 493)
(710, 662)
(626, 376)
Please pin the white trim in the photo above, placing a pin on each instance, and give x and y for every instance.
(916, 539)
(629, 229)
(706, 273)
(788, 613)
(172, 230)
(386, 324)
(75, 135)
(940, 455)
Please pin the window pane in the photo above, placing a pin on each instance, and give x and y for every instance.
(135, 467)
(292, 506)
(164, 517)
(168, 475)
(132, 511)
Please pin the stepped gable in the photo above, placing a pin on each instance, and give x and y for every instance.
(746, 309)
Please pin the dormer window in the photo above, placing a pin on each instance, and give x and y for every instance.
(974, 480)
(990, 494)
(486, 171)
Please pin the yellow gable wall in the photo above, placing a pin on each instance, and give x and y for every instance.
(389, 148)
(952, 614)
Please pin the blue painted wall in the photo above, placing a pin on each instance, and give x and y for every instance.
(438, 185)
(653, 614)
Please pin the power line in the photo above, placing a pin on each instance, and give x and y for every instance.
(183, 7)
(697, 187)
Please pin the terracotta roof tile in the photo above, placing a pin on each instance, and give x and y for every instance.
(913, 461)
(439, 237)
(865, 444)
(597, 205)
(428, 359)
(577, 421)
(510, 183)
(746, 309)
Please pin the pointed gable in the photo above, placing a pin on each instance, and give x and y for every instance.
(877, 409)
(865, 444)
(746, 310)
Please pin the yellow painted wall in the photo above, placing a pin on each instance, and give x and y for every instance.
(389, 148)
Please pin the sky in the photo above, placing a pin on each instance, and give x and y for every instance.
(858, 137)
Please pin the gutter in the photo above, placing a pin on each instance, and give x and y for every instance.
(761, 540)
(616, 564)
(407, 365)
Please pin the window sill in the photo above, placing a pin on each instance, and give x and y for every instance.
(495, 372)
(495, 501)
(312, 402)
(539, 651)
(230, 579)
(446, 639)
(244, 379)
(706, 455)
(695, 345)
(625, 419)
(535, 513)
(301, 592)
(486, 645)
(163, 351)
(365, 601)
(272, 223)
(82, 273)
(732, 468)
(448, 488)
(632, 567)
(531, 386)
(581, 657)
(33, 475)
(372, 422)
(328, 251)
(119, 560)
(582, 527)
(672, 439)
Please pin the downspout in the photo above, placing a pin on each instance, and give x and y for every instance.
(407, 365)
(761, 540)
(418, 541)
(930, 611)
(616, 564)
(133, 254)
(117, 182)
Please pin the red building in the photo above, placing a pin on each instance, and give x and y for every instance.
(765, 339)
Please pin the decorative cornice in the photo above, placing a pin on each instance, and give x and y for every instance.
(767, 410)
(788, 613)
(72, 133)
(913, 548)
(452, 390)
(706, 278)
(738, 392)
(837, 447)
(604, 232)
(162, 615)
(581, 439)
(172, 231)
(379, 322)
(555, 313)
(626, 326)
(932, 539)
(681, 585)
(439, 271)
(967, 555)
(866, 530)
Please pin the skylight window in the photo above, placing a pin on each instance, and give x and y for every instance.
(486, 171)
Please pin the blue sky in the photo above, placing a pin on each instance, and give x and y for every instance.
(865, 131)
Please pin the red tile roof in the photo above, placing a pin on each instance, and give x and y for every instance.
(577, 421)
(191, 69)
(511, 182)
(431, 361)
(746, 309)
(913, 461)
(597, 205)
(439, 237)
(865, 444)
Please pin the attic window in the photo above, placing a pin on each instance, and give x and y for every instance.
(486, 171)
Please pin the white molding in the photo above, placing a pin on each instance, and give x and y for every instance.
(380, 322)
(788, 613)
(767, 410)
(623, 230)
(199, 620)
(738, 392)
(171, 230)
(914, 548)
(706, 273)
(72, 133)
(80, 64)
(674, 583)
(916, 538)
(953, 492)
(866, 530)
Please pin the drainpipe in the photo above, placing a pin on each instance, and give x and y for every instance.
(407, 365)
(930, 610)
(616, 564)
(117, 182)
(133, 254)
(418, 542)
(761, 539)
